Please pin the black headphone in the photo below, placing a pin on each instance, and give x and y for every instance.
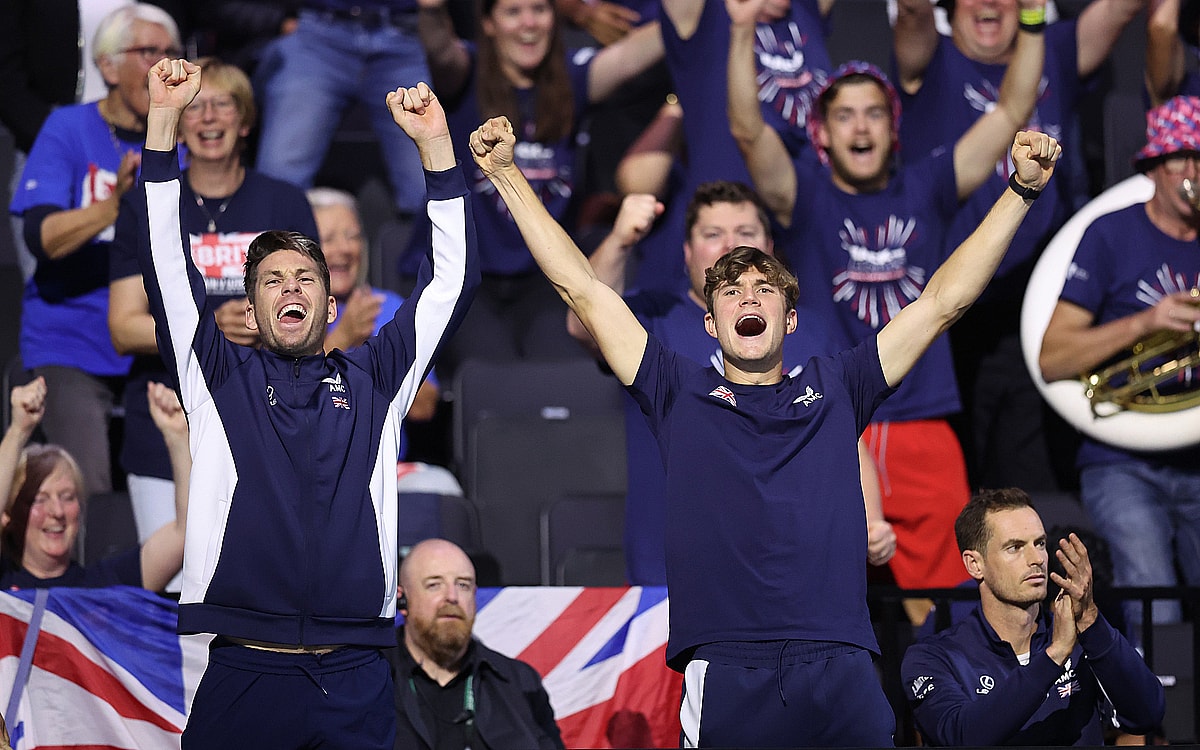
(403, 603)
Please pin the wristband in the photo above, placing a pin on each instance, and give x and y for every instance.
(1032, 20)
(1027, 193)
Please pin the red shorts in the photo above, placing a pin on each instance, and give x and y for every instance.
(923, 483)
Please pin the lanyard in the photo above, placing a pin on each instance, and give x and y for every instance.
(467, 717)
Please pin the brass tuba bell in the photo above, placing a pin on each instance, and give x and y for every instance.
(1136, 422)
(1136, 381)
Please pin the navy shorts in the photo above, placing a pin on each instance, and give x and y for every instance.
(784, 694)
(253, 698)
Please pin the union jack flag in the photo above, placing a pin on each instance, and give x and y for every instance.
(340, 403)
(109, 673)
(601, 653)
(1068, 689)
(724, 393)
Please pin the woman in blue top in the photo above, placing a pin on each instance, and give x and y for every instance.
(42, 493)
(519, 68)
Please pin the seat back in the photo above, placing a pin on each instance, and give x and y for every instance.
(554, 390)
(521, 465)
(581, 534)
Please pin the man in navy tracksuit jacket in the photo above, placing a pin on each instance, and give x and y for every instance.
(291, 557)
(1010, 674)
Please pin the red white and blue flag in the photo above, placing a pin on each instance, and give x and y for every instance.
(109, 672)
(602, 656)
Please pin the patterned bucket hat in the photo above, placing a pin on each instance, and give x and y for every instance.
(854, 67)
(1170, 128)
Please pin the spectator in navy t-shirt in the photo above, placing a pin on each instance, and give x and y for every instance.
(1134, 274)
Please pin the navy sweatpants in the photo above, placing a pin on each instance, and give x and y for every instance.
(784, 694)
(253, 698)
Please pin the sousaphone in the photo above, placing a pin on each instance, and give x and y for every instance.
(1120, 404)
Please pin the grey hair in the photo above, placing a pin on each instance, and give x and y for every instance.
(326, 197)
(116, 29)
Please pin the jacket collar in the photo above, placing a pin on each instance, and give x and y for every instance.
(987, 633)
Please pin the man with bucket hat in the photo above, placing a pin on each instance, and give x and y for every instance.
(1133, 274)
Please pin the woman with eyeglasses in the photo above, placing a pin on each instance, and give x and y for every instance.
(84, 158)
(224, 206)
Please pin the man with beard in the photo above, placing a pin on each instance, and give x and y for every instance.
(451, 690)
(1011, 674)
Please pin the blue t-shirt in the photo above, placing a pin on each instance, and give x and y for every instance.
(861, 258)
(764, 499)
(64, 313)
(793, 65)
(1122, 265)
(956, 92)
(549, 167)
(260, 204)
(678, 323)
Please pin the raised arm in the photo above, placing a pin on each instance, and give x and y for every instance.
(914, 40)
(646, 166)
(987, 140)
(1072, 345)
(406, 345)
(621, 338)
(162, 554)
(606, 22)
(1099, 26)
(1134, 691)
(28, 406)
(1165, 64)
(449, 61)
(961, 279)
(610, 260)
(766, 157)
(618, 62)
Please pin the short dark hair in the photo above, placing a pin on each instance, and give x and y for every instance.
(724, 191)
(274, 241)
(730, 267)
(830, 92)
(971, 528)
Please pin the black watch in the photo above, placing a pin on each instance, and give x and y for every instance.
(1028, 193)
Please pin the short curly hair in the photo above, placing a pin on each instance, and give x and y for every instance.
(730, 267)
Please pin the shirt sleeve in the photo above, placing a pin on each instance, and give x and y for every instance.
(1133, 689)
(403, 353)
(947, 712)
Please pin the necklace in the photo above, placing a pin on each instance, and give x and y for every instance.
(112, 130)
(212, 220)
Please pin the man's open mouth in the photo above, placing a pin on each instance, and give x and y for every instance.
(750, 325)
(292, 312)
